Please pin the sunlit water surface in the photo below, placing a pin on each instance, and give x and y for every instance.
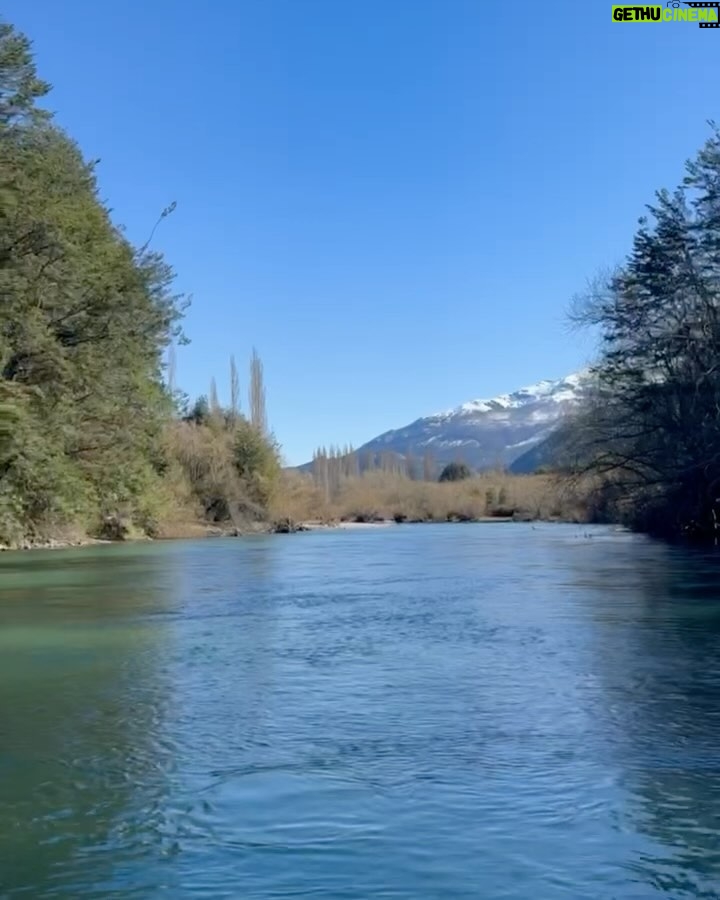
(480, 711)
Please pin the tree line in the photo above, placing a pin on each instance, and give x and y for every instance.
(92, 437)
(647, 439)
(331, 465)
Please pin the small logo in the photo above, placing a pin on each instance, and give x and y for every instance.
(707, 15)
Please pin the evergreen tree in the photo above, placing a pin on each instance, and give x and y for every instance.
(20, 87)
(455, 472)
(652, 428)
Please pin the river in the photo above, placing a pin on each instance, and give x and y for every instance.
(498, 711)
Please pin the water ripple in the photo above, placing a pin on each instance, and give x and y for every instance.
(452, 712)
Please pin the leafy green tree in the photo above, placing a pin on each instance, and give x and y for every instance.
(257, 461)
(84, 322)
(199, 411)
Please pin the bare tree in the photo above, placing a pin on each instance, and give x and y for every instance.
(353, 464)
(410, 465)
(171, 369)
(213, 398)
(234, 390)
(258, 413)
(428, 466)
(321, 471)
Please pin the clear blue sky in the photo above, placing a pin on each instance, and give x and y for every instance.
(393, 199)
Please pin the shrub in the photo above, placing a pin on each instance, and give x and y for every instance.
(455, 472)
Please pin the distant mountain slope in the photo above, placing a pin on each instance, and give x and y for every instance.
(485, 433)
(542, 455)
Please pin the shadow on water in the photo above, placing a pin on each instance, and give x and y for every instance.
(83, 695)
(657, 651)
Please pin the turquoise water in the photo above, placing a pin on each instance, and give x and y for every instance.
(480, 711)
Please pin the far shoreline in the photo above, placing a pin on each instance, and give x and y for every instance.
(198, 531)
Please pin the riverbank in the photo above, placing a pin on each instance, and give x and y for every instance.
(298, 504)
(199, 531)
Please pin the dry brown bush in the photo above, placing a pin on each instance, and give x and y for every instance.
(385, 495)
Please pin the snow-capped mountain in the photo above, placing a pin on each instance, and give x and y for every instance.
(486, 433)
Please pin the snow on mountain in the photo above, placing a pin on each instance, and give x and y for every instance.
(486, 432)
(566, 389)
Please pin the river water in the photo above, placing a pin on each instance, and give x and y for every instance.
(461, 711)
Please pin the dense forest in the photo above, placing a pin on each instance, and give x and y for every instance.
(647, 440)
(92, 439)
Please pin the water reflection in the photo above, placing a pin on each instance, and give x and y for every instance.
(656, 648)
(83, 768)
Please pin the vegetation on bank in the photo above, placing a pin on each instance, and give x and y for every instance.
(648, 435)
(382, 494)
(224, 468)
(92, 440)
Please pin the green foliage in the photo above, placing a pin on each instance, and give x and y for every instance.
(84, 320)
(20, 87)
(455, 472)
(88, 434)
(650, 434)
(228, 466)
(199, 411)
(257, 461)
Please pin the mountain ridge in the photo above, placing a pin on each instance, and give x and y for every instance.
(485, 432)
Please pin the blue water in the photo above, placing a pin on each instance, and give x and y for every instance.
(460, 711)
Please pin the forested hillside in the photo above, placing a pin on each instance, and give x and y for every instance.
(90, 436)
